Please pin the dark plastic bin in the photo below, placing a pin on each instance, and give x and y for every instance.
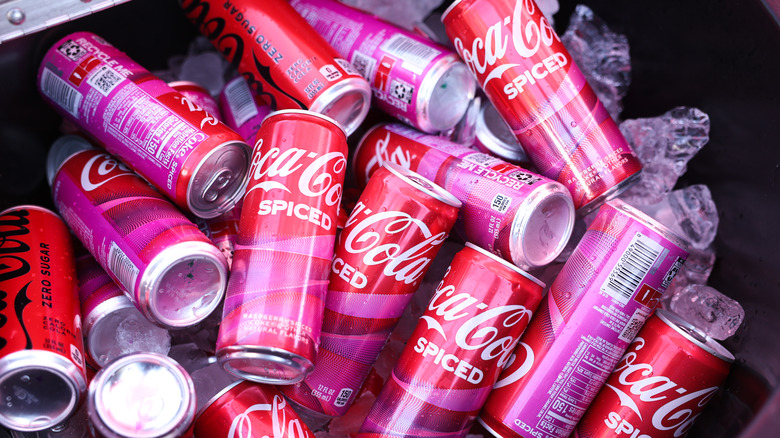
(722, 57)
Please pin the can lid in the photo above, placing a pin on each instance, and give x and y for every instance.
(218, 181)
(423, 184)
(307, 112)
(445, 95)
(450, 8)
(142, 395)
(648, 221)
(39, 389)
(347, 102)
(494, 135)
(693, 334)
(506, 263)
(62, 149)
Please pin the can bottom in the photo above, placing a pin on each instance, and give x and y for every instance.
(542, 226)
(269, 365)
(613, 192)
(347, 103)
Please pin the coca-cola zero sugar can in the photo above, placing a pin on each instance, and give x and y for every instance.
(173, 274)
(181, 149)
(661, 385)
(243, 109)
(457, 350)
(42, 376)
(273, 310)
(390, 240)
(520, 216)
(413, 78)
(531, 79)
(284, 60)
(250, 409)
(598, 302)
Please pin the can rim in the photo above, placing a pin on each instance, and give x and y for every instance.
(691, 333)
(309, 112)
(363, 88)
(30, 207)
(235, 197)
(492, 142)
(450, 8)
(445, 64)
(633, 212)
(506, 263)
(270, 354)
(435, 191)
(217, 396)
(182, 83)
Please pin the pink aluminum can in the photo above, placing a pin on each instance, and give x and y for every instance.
(594, 308)
(455, 354)
(197, 95)
(173, 274)
(184, 151)
(243, 110)
(413, 78)
(390, 239)
(531, 79)
(520, 216)
(273, 310)
(284, 60)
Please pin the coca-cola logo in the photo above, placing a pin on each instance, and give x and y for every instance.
(382, 155)
(530, 30)
(369, 237)
(101, 169)
(241, 427)
(484, 327)
(318, 173)
(679, 407)
(519, 369)
(13, 264)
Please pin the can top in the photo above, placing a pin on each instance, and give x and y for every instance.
(142, 395)
(348, 102)
(691, 333)
(648, 221)
(311, 113)
(445, 94)
(506, 263)
(494, 134)
(450, 8)
(62, 149)
(217, 182)
(423, 184)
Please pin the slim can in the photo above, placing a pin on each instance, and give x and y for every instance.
(284, 60)
(185, 152)
(273, 310)
(661, 385)
(393, 234)
(42, 375)
(243, 109)
(173, 274)
(520, 216)
(594, 308)
(197, 96)
(531, 79)
(413, 78)
(455, 354)
(142, 395)
(246, 406)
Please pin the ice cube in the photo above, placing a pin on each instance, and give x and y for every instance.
(664, 145)
(690, 212)
(717, 315)
(601, 54)
(205, 69)
(135, 334)
(403, 13)
(549, 8)
(210, 381)
(695, 270)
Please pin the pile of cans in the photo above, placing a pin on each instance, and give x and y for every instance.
(192, 206)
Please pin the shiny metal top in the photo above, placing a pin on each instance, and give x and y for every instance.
(423, 184)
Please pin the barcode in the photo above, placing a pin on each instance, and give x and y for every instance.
(122, 267)
(240, 100)
(481, 159)
(105, 79)
(344, 64)
(56, 89)
(632, 267)
(634, 324)
(363, 64)
(416, 55)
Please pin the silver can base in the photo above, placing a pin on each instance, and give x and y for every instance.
(613, 192)
(272, 366)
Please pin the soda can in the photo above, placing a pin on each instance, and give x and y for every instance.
(173, 274)
(390, 240)
(275, 299)
(492, 136)
(413, 78)
(529, 76)
(249, 406)
(457, 350)
(104, 307)
(522, 217)
(223, 231)
(243, 110)
(282, 58)
(142, 395)
(658, 389)
(184, 151)
(197, 95)
(42, 376)
(594, 308)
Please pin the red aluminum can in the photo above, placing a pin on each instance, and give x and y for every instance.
(393, 234)
(248, 409)
(184, 151)
(283, 58)
(42, 376)
(275, 299)
(661, 385)
(197, 95)
(531, 79)
(455, 354)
